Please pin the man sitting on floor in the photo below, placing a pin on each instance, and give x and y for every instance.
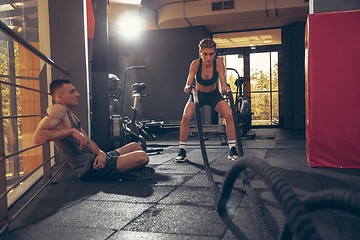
(82, 154)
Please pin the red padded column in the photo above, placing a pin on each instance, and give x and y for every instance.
(332, 66)
(90, 19)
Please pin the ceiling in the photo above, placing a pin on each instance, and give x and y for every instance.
(246, 15)
(248, 39)
(162, 14)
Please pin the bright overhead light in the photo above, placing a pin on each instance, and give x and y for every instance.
(132, 2)
(130, 25)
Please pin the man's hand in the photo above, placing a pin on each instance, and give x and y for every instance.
(81, 139)
(100, 160)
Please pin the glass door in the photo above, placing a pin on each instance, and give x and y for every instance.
(264, 90)
(260, 74)
(235, 65)
(255, 55)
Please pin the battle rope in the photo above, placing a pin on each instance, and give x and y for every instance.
(336, 199)
(255, 199)
(299, 219)
(329, 199)
(296, 210)
(213, 187)
(257, 203)
(239, 146)
(306, 227)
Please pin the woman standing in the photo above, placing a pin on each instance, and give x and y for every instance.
(207, 71)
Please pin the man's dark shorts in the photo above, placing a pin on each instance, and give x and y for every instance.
(109, 172)
(208, 98)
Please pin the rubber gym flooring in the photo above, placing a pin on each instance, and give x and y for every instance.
(176, 203)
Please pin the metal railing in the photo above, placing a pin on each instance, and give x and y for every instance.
(10, 33)
(5, 220)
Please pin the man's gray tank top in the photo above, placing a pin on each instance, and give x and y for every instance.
(68, 147)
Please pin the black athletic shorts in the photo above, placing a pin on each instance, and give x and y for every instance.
(208, 98)
(109, 172)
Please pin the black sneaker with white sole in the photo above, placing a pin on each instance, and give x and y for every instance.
(138, 174)
(233, 155)
(181, 157)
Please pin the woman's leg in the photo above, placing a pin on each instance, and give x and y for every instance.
(224, 110)
(188, 114)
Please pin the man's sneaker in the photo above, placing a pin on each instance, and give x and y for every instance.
(139, 174)
(233, 155)
(181, 157)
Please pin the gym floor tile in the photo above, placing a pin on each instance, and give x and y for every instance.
(130, 235)
(97, 214)
(176, 219)
(138, 194)
(51, 232)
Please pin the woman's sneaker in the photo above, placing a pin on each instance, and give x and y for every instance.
(181, 157)
(233, 155)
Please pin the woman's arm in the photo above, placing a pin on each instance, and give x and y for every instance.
(221, 71)
(190, 79)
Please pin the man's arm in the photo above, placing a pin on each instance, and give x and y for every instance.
(100, 159)
(46, 129)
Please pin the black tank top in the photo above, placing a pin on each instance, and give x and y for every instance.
(207, 82)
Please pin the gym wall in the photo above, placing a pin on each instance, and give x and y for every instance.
(292, 89)
(167, 55)
(320, 6)
(68, 50)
